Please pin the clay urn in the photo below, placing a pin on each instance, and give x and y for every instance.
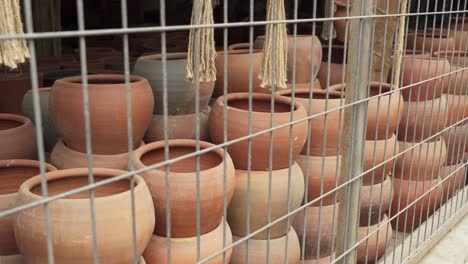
(342, 10)
(377, 238)
(454, 176)
(17, 137)
(333, 66)
(456, 141)
(457, 109)
(113, 210)
(181, 93)
(183, 185)
(375, 202)
(12, 174)
(457, 81)
(107, 112)
(286, 185)
(429, 40)
(378, 159)
(238, 127)
(13, 86)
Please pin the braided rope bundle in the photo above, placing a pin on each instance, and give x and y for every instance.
(12, 51)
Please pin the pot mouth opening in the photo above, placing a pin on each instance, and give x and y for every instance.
(12, 175)
(239, 51)
(262, 105)
(6, 124)
(316, 95)
(104, 79)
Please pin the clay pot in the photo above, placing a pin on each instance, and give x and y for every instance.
(238, 69)
(457, 143)
(181, 92)
(429, 41)
(107, 110)
(321, 101)
(378, 159)
(373, 248)
(342, 10)
(456, 174)
(316, 85)
(182, 185)
(337, 66)
(323, 260)
(457, 108)
(184, 250)
(257, 249)
(373, 207)
(237, 127)
(17, 137)
(456, 58)
(179, 126)
(383, 111)
(457, 81)
(324, 218)
(12, 89)
(12, 174)
(259, 200)
(113, 210)
(422, 162)
(320, 181)
(415, 122)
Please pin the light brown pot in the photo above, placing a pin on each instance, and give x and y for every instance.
(237, 127)
(183, 187)
(113, 210)
(378, 159)
(456, 141)
(456, 179)
(373, 247)
(107, 109)
(342, 11)
(457, 108)
(184, 250)
(429, 41)
(375, 201)
(259, 200)
(337, 67)
(12, 174)
(17, 137)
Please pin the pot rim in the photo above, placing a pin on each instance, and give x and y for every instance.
(386, 87)
(218, 229)
(321, 157)
(450, 52)
(170, 56)
(239, 52)
(41, 89)
(18, 118)
(70, 151)
(291, 229)
(392, 138)
(288, 92)
(76, 81)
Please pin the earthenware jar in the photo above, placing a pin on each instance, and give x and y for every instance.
(456, 141)
(372, 248)
(12, 174)
(457, 108)
(113, 209)
(107, 110)
(183, 187)
(378, 159)
(238, 123)
(342, 11)
(181, 93)
(457, 80)
(336, 62)
(13, 86)
(259, 199)
(17, 137)
(375, 201)
(429, 40)
(456, 174)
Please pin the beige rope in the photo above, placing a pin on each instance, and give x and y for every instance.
(14, 51)
(327, 24)
(206, 67)
(281, 48)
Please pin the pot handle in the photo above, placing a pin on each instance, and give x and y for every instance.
(239, 46)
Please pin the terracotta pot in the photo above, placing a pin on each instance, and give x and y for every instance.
(457, 143)
(321, 101)
(457, 80)
(17, 137)
(12, 174)
(378, 159)
(457, 108)
(237, 127)
(108, 120)
(456, 58)
(342, 10)
(415, 122)
(375, 201)
(182, 185)
(316, 85)
(184, 250)
(12, 89)
(320, 181)
(422, 162)
(113, 209)
(259, 189)
(373, 248)
(323, 260)
(456, 179)
(238, 72)
(429, 41)
(336, 64)
(181, 92)
(179, 126)
(257, 249)
(383, 111)
(324, 218)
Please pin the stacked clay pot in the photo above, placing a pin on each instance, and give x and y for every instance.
(182, 101)
(182, 197)
(17, 137)
(107, 120)
(260, 176)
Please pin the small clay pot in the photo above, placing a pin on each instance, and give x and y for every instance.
(373, 248)
(375, 201)
(429, 41)
(237, 127)
(259, 200)
(456, 179)
(107, 110)
(17, 137)
(337, 65)
(257, 249)
(13, 86)
(184, 250)
(12, 174)
(378, 159)
(179, 126)
(321, 181)
(183, 187)
(113, 209)
(415, 122)
(342, 10)
(323, 219)
(457, 108)
(316, 85)
(457, 143)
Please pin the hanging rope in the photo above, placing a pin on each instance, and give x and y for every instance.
(207, 68)
(329, 11)
(12, 51)
(280, 51)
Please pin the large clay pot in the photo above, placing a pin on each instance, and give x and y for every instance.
(321, 101)
(342, 11)
(107, 110)
(378, 159)
(113, 210)
(17, 137)
(429, 41)
(181, 93)
(421, 161)
(257, 249)
(179, 126)
(373, 248)
(183, 187)
(184, 250)
(321, 181)
(457, 143)
(375, 201)
(456, 179)
(422, 119)
(12, 174)
(259, 200)
(457, 108)
(337, 66)
(457, 81)
(323, 219)
(12, 89)
(237, 127)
